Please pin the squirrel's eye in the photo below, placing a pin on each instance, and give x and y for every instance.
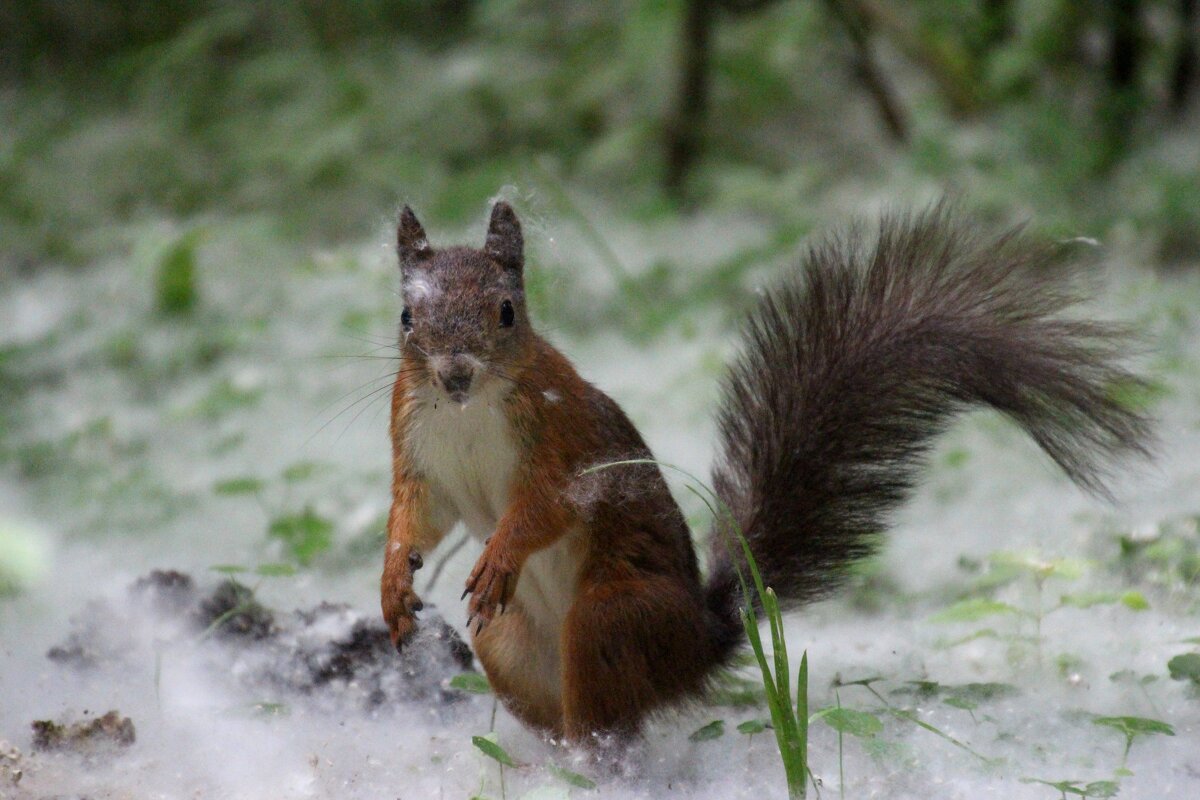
(406, 319)
(507, 315)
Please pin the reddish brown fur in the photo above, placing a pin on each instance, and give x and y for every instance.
(630, 643)
(848, 374)
(636, 634)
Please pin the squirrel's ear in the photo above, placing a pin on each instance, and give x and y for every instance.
(504, 240)
(411, 243)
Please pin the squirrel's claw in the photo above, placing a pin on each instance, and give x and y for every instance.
(490, 586)
(400, 603)
(401, 630)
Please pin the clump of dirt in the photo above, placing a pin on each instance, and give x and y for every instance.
(12, 767)
(232, 612)
(75, 651)
(333, 649)
(331, 655)
(167, 590)
(86, 737)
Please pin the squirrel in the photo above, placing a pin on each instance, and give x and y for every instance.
(588, 610)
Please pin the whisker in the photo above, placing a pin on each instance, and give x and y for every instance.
(368, 398)
(360, 387)
(364, 356)
(503, 374)
(371, 398)
(389, 342)
(388, 379)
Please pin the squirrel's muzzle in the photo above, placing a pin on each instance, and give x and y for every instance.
(455, 375)
(457, 384)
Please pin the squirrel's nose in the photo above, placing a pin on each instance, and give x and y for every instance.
(456, 383)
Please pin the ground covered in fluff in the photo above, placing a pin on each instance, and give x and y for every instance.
(192, 491)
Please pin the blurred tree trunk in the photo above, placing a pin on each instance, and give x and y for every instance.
(945, 61)
(997, 22)
(1119, 110)
(685, 127)
(887, 106)
(1125, 42)
(1183, 72)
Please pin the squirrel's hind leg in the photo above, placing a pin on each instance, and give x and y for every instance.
(523, 666)
(629, 647)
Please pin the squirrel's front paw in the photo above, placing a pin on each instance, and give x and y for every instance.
(400, 603)
(491, 585)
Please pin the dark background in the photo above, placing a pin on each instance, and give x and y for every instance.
(316, 118)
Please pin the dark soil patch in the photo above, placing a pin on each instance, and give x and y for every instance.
(84, 737)
(331, 654)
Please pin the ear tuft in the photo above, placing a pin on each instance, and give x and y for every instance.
(411, 243)
(504, 240)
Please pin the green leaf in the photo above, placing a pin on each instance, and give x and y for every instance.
(275, 570)
(1090, 599)
(573, 778)
(957, 457)
(860, 681)
(753, 726)
(974, 609)
(1132, 600)
(225, 397)
(1185, 667)
(1136, 601)
(855, 723)
(1066, 787)
(472, 682)
(982, 692)
(802, 702)
(920, 689)
(306, 535)
(236, 486)
(1041, 568)
(958, 702)
(713, 730)
(300, 471)
(1135, 726)
(176, 280)
(493, 750)
(229, 569)
(23, 559)
(1102, 789)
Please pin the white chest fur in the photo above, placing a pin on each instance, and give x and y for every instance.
(469, 456)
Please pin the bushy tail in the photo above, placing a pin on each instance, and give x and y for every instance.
(853, 366)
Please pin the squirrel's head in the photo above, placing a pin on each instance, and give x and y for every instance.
(464, 321)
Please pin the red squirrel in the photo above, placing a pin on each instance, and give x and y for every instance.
(588, 610)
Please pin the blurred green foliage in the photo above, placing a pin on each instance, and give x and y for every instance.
(316, 118)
